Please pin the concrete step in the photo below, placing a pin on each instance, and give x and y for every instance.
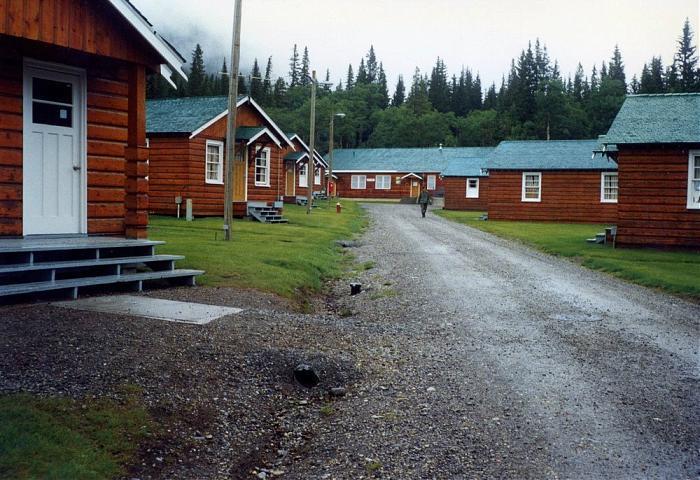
(74, 284)
(24, 267)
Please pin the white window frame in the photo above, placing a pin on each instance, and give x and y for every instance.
(431, 180)
(382, 182)
(303, 172)
(539, 185)
(603, 176)
(317, 175)
(467, 193)
(220, 168)
(693, 180)
(266, 167)
(355, 182)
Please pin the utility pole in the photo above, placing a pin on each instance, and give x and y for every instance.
(311, 174)
(330, 155)
(231, 120)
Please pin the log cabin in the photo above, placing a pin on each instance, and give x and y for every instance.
(187, 144)
(551, 181)
(655, 140)
(466, 183)
(296, 162)
(73, 156)
(394, 173)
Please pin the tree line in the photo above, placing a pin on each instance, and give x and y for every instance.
(533, 101)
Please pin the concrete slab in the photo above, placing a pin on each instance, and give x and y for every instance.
(154, 308)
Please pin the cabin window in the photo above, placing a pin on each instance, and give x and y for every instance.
(694, 180)
(382, 182)
(358, 182)
(317, 176)
(302, 175)
(608, 188)
(431, 182)
(532, 187)
(215, 163)
(472, 188)
(262, 167)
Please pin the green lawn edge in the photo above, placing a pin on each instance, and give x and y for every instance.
(670, 271)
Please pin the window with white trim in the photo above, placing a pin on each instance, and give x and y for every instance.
(382, 182)
(694, 179)
(262, 167)
(214, 169)
(303, 168)
(608, 187)
(317, 176)
(358, 182)
(532, 187)
(472, 188)
(431, 182)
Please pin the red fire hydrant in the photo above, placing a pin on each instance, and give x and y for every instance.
(338, 207)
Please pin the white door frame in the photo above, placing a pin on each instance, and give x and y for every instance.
(81, 127)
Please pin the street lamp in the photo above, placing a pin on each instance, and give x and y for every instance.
(330, 155)
(311, 173)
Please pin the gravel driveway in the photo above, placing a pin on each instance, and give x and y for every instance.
(465, 356)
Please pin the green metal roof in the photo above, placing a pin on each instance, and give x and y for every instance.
(548, 155)
(663, 118)
(183, 115)
(295, 156)
(465, 167)
(402, 159)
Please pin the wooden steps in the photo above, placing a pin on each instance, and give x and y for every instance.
(35, 266)
(266, 215)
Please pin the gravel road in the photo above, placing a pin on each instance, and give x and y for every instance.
(465, 356)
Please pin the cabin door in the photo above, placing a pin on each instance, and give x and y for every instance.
(54, 151)
(240, 176)
(415, 187)
(290, 184)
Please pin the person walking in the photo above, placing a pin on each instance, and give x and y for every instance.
(424, 199)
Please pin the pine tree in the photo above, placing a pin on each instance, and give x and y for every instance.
(197, 77)
(491, 98)
(372, 68)
(577, 84)
(242, 86)
(305, 72)
(399, 93)
(652, 79)
(686, 61)
(417, 100)
(225, 79)
(294, 68)
(616, 70)
(383, 88)
(267, 83)
(279, 91)
(672, 81)
(634, 85)
(256, 85)
(361, 73)
(475, 96)
(595, 83)
(350, 79)
(439, 91)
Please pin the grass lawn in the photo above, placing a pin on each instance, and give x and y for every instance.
(675, 272)
(57, 438)
(282, 258)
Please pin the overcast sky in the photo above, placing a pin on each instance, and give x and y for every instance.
(482, 34)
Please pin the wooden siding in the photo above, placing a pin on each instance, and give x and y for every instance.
(652, 209)
(566, 196)
(397, 191)
(83, 25)
(456, 194)
(107, 120)
(177, 168)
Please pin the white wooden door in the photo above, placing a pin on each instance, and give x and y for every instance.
(54, 177)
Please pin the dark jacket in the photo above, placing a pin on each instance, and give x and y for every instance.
(425, 198)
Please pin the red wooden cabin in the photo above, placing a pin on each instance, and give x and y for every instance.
(72, 117)
(466, 183)
(655, 140)
(551, 181)
(187, 142)
(296, 161)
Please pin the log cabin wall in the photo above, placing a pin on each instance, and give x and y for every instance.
(566, 196)
(456, 194)
(107, 122)
(652, 209)
(397, 191)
